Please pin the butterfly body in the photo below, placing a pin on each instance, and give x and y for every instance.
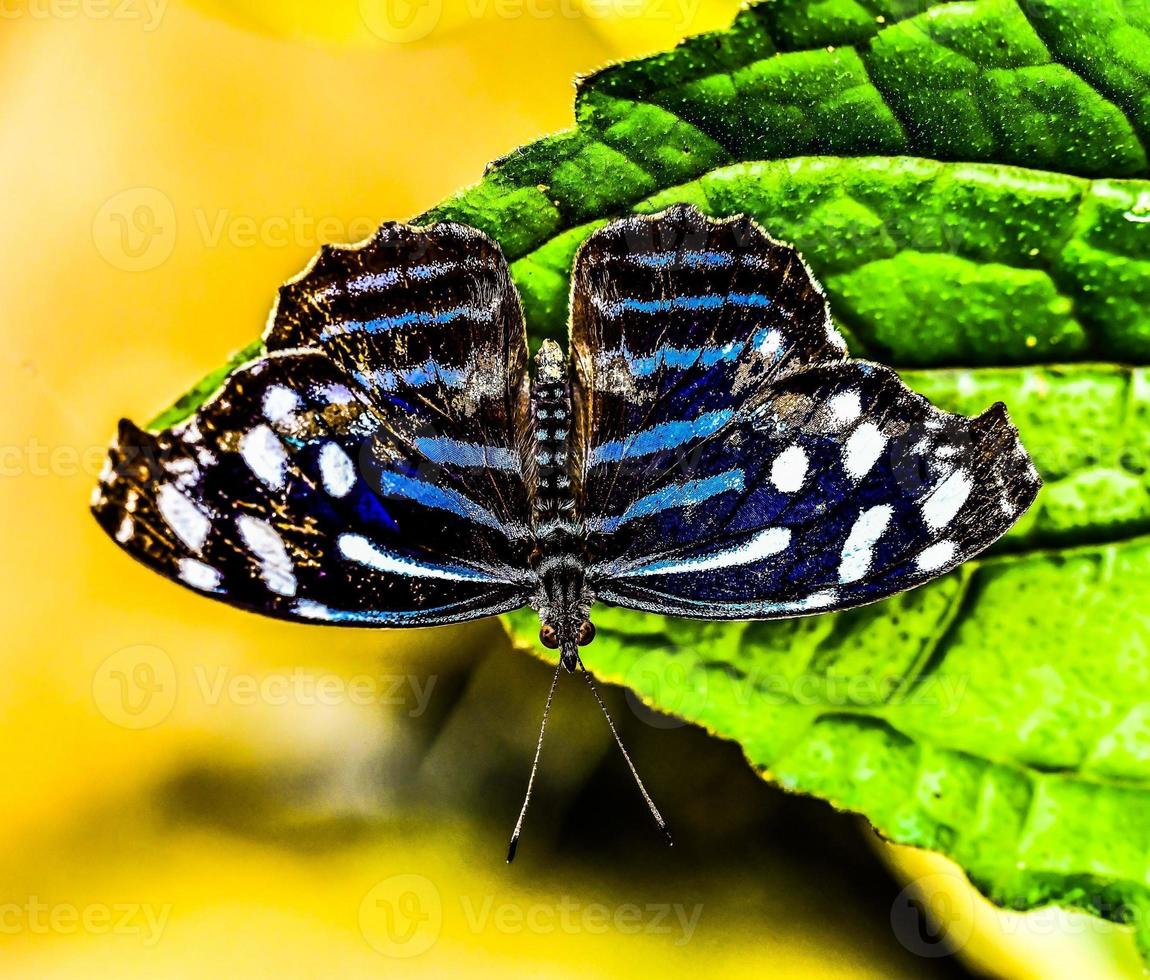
(562, 598)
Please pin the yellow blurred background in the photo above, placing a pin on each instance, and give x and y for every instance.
(191, 791)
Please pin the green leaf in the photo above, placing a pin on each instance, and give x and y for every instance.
(969, 180)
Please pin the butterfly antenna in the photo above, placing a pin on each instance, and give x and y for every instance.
(514, 845)
(658, 817)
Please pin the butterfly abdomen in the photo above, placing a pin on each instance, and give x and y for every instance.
(554, 505)
(563, 601)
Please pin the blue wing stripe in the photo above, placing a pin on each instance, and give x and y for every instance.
(765, 340)
(441, 449)
(660, 438)
(409, 319)
(441, 498)
(430, 372)
(678, 495)
(689, 303)
(692, 258)
(371, 282)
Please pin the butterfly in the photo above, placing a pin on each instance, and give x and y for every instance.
(706, 449)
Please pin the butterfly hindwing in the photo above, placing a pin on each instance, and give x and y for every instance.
(745, 479)
(370, 476)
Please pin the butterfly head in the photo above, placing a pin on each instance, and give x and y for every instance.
(564, 607)
(568, 640)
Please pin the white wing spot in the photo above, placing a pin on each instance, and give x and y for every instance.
(182, 466)
(858, 551)
(313, 610)
(790, 469)
(190, 524)
(845, 407)
(761, 546)
(268, 547)
(863, 449)
(946, 500)
(935, 556)
(280, 403)
(819, 600)
(126, 530)
(265, 456)
(337, 394)
(337, 470)
(198, 575)
(771, 343)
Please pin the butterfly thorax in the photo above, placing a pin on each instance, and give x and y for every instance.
(562, 600)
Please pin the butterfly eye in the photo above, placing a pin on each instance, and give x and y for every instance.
(586, 633)
(549, 638)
